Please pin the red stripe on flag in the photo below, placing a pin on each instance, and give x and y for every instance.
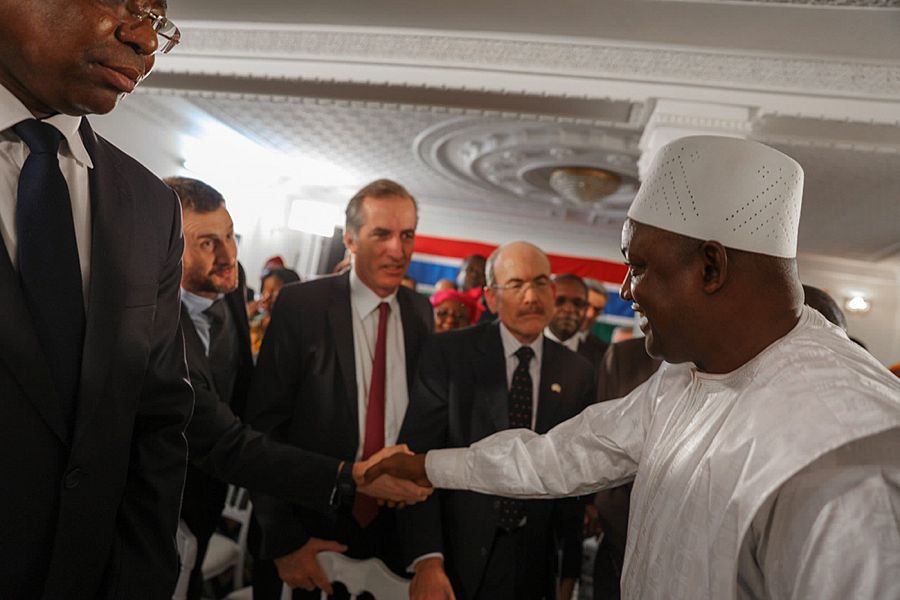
(602, 270)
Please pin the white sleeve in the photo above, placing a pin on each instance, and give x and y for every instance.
(832, 530)
(596, 449)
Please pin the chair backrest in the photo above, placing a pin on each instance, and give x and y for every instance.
(187, 555)
(358, 576)
(238, 508)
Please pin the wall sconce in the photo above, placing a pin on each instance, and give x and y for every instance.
(857, 304)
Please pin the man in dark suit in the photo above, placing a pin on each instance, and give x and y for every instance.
(471, 383)
(571, 308)
(333, 377)
(217, 343)
(93, 381)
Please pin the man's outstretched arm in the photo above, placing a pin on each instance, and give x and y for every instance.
(597, 449)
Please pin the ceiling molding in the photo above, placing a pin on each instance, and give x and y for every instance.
(227, 44)
(806, 3)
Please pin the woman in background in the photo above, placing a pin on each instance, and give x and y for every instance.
(453, 310)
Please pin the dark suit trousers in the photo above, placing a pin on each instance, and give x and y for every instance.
(513, 570)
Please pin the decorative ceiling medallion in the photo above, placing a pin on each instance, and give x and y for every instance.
(518, 159)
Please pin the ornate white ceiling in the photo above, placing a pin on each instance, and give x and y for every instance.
(471, 105)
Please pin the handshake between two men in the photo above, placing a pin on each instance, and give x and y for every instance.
(394, 476)
(389, 476)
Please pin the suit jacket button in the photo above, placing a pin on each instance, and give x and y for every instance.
(73, 478)
(483, 552)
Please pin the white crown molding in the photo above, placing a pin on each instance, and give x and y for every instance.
(225, 46)
(806, 3)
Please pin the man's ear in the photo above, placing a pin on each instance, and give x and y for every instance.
(349, 242)
(715, 266)
(489, 296)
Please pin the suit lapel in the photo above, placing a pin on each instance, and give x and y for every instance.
(490, 376)
(112, 214)
(340, 319)
(551, 389)
(21, 352)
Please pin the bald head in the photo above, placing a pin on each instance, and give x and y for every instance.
(519, 289)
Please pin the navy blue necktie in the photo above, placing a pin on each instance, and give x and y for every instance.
(47, 254)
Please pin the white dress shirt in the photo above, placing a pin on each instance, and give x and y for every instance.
(195, 306)
(74, 163)
(364, 308)
(572, 343)
(510, 346)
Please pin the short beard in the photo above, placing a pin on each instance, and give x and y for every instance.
(197, 283)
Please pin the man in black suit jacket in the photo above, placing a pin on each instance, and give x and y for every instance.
(571, 308)
(466, 389)
(312, 383)
(93, 451)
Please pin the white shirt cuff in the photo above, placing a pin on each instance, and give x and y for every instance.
(412, 567)
(448, 468)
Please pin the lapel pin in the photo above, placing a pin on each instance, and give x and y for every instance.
(555, 387)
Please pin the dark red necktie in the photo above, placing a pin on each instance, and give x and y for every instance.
(365, 508)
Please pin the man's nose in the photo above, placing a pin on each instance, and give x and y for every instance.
(226, 253)
(139, 35)
(625, 290)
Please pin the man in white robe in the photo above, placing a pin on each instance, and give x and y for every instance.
(765, 452)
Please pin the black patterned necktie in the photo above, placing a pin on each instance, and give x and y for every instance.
(512, 512)
(47, 257)
(222, 349)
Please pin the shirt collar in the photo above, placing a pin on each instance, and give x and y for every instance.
(364, 299)
(511, 344)
(571, 343)
(12, 111)
(196, 304)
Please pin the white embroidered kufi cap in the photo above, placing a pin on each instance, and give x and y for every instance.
(740, 193)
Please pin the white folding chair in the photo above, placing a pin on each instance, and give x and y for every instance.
(224, 553)
(186, 543)
(358, 576)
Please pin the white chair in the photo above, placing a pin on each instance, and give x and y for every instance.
(358, 576)
(223, 553)
(186, 543)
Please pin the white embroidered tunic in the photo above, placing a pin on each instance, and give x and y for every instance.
(778, 480)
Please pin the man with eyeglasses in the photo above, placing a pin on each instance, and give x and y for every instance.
(474, 382)
(571, 308)
(93, 381)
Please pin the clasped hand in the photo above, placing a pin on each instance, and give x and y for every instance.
(386, 485)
